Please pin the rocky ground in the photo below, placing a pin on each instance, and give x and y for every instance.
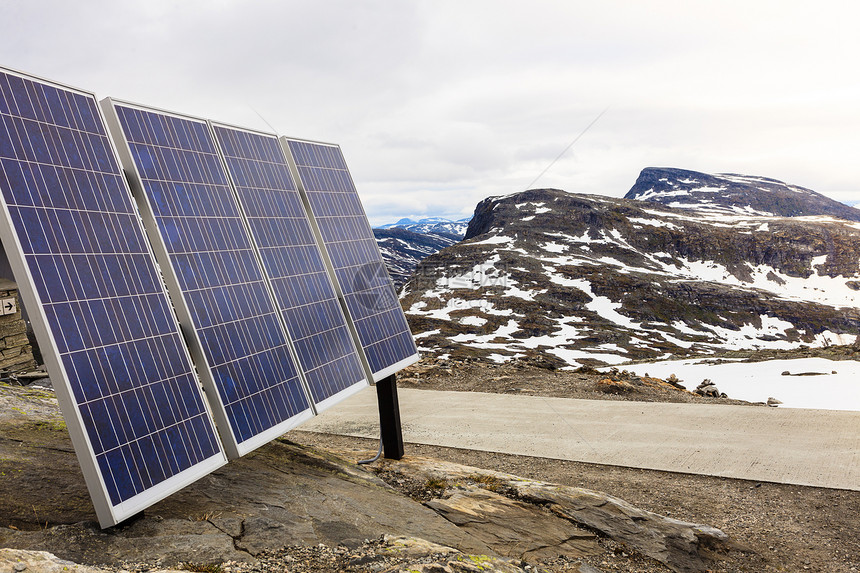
(786, 527)
(533, 379)
(301, 505)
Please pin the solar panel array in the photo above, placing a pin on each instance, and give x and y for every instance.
(284, 314)
(208, 253)
(354, 256)
(121, 371)
(292, 259)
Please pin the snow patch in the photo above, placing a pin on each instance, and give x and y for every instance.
(494, 240)
(654, 223)
(473, 321)
(537, 206)
(601, 305)
(584, 238)
(555, 247)
(480, 275)
(572, 357)
(483, 340)
(489, 308)
(751, 336)
(512, 290)
(651, 193)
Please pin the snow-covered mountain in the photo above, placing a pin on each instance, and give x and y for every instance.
(402, 250)
(404, 243)
(571, 279)
(436, 225)
(734, 194)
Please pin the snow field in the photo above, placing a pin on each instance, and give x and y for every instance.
(757, 381)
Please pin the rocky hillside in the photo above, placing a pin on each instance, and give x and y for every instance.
(732, 193)
(402, 250)
(571, 279)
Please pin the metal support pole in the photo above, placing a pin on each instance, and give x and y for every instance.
(389, 418)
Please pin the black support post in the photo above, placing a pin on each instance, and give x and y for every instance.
(389, 418)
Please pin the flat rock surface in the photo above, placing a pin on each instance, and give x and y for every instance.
(684, 547)
(281, 494)
(284, 497)
(803, 447)
(513, 528)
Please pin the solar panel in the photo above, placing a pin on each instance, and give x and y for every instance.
(352, 252)
(121, 371)
(294, 264)
(207, 255)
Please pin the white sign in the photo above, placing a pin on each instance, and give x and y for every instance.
(8, 306)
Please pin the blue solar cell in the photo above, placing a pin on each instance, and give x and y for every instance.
(208, 254)
(295, 267)
(102, 316)
(358, 266)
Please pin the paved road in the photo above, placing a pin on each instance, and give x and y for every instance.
(804, 447)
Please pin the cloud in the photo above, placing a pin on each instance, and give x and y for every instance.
(438, 104)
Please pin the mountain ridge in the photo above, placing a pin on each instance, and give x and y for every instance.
(436, 225)
(732, 192)
(576, 279)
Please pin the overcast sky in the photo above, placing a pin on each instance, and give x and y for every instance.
(439, 104)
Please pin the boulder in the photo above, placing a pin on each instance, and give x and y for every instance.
(707, 389)
(610, 386)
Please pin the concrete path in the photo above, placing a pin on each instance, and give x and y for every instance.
(803, 447)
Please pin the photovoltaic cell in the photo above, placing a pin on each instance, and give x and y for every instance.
(290, 255)
(351, 247)
(105, 326)
(208, 257)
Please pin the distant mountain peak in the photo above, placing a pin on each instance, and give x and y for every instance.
(432, 225)
(402, 249)
(734, 193)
